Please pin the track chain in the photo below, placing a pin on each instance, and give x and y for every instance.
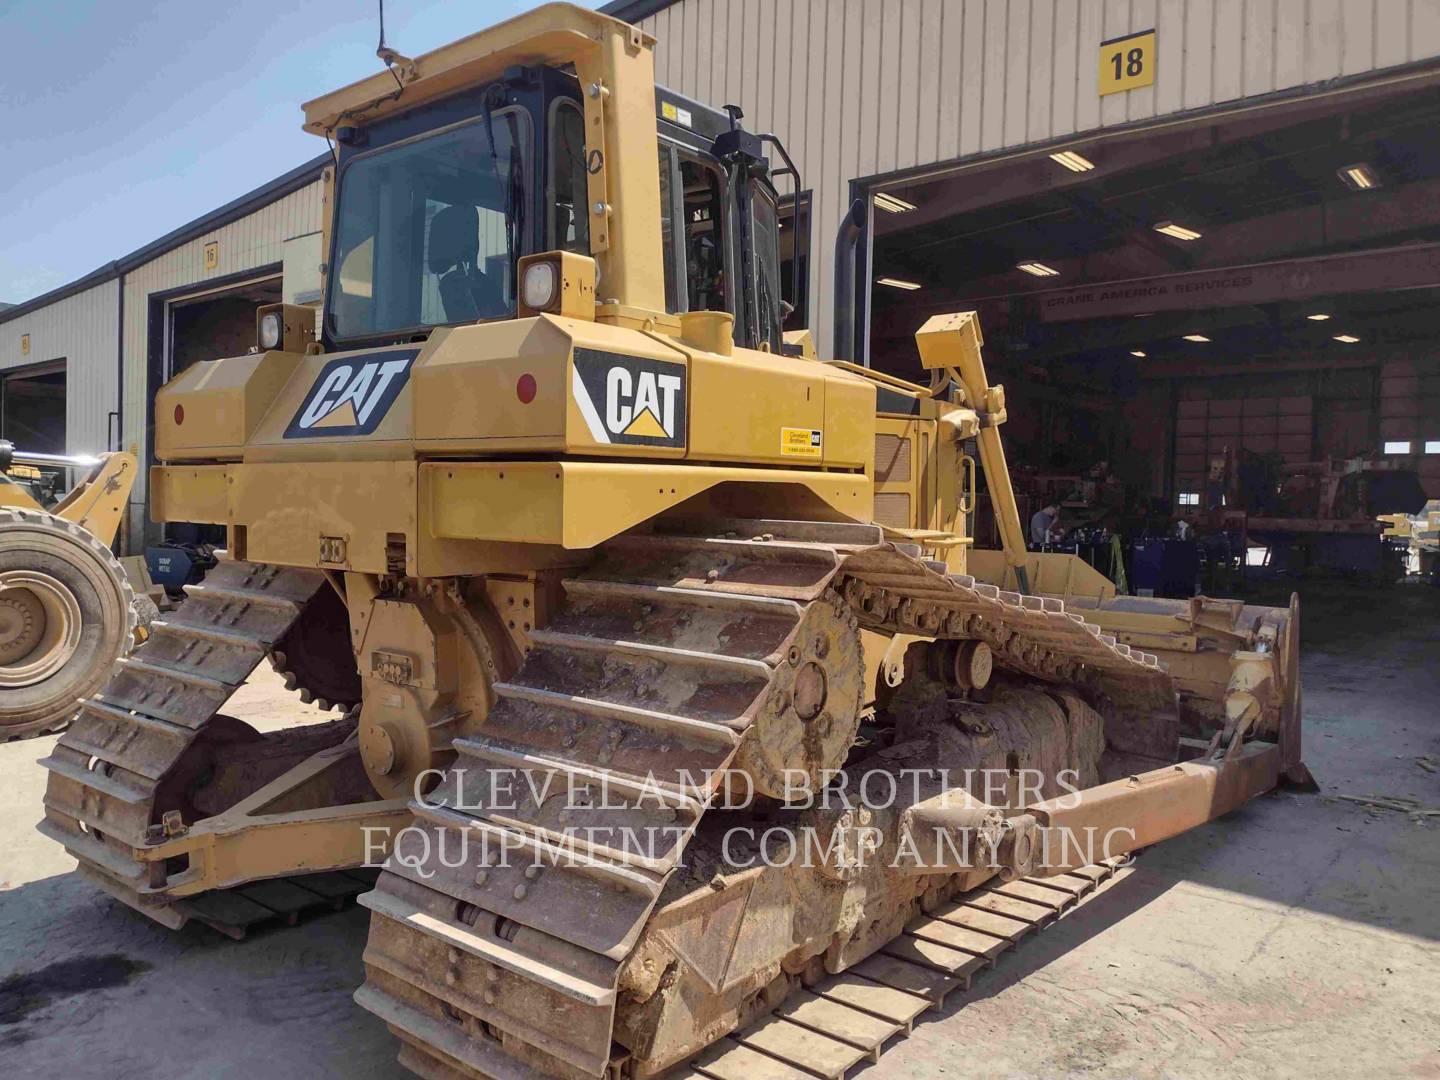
(109, 772)
(666, 649)
(851, 1018)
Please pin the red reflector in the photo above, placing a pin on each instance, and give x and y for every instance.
(525, 388)
(179, 414)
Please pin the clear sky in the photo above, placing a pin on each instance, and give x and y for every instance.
(123, 119)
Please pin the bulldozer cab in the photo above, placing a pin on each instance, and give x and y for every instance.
(719, 220)
(435, 207)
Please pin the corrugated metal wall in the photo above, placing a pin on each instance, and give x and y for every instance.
(1410, 411)
(860, 87)
(81, 329)
(253, 241)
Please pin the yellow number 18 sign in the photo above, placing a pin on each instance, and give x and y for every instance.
(1127, 63)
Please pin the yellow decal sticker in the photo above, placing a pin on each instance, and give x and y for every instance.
(675, 114)
(800, 442)
(1127, 63)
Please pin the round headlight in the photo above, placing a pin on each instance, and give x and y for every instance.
(537, 291)
(270, 330)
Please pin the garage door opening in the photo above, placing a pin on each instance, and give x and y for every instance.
(32, 407)
(190, 327)
(1226, 322)
(32, 417)
(213, 324)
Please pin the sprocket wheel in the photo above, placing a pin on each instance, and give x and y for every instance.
(315, 657)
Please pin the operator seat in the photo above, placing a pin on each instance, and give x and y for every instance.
(466, 292)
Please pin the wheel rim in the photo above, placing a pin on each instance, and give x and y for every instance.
(40, 625)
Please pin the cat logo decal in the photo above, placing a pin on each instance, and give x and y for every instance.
(352, 394)
(630, 400)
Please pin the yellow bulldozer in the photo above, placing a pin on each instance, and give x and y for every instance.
(67, 608)
(608, 578)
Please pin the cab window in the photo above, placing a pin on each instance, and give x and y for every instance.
(569, 224)
(427, 230)
(694, 232)
(766, 266)
(702, 186)
(669, 236)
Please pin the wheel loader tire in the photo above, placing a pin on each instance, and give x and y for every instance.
(66, 617)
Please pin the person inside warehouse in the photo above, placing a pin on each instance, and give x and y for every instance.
(1044, 525)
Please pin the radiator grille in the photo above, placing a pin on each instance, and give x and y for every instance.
(892, 508)
(892, 459)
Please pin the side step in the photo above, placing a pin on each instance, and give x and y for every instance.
(850, 1018)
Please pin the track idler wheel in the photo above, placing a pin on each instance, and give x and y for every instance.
(808, 722)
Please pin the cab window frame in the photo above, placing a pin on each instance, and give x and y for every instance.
(465, 108)
(769, 326)
(553, 242)
(681, 151)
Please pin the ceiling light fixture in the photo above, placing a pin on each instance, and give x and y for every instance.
(1196, 337)
(1072, 161)
(1138, 352)
(1179, 232)
(893, 203)
(1037, 269)
(1348, 339)
(1359, 177)
(1319, 316)
(898, 283)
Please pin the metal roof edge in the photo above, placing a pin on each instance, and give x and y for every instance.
(108, 272)
(632, 11)
(266, 193)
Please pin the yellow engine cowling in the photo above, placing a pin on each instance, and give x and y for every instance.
(498, 447)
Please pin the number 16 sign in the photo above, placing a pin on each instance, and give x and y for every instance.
(1127, 63)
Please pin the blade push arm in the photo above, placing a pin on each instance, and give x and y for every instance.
(951, 343)
(955, 832)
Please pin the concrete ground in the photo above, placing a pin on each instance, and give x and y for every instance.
(1299, 935)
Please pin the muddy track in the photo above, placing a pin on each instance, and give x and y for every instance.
(667, 650)
(146, 743)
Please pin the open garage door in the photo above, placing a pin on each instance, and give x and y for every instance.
(32, 407)
(213, 323)
(195, 325)
(32, 417)
(1231, 317)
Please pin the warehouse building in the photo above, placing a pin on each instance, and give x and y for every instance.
(1201, 235)
(79, 366)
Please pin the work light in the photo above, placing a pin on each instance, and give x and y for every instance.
(270, 330)
(537, 289)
